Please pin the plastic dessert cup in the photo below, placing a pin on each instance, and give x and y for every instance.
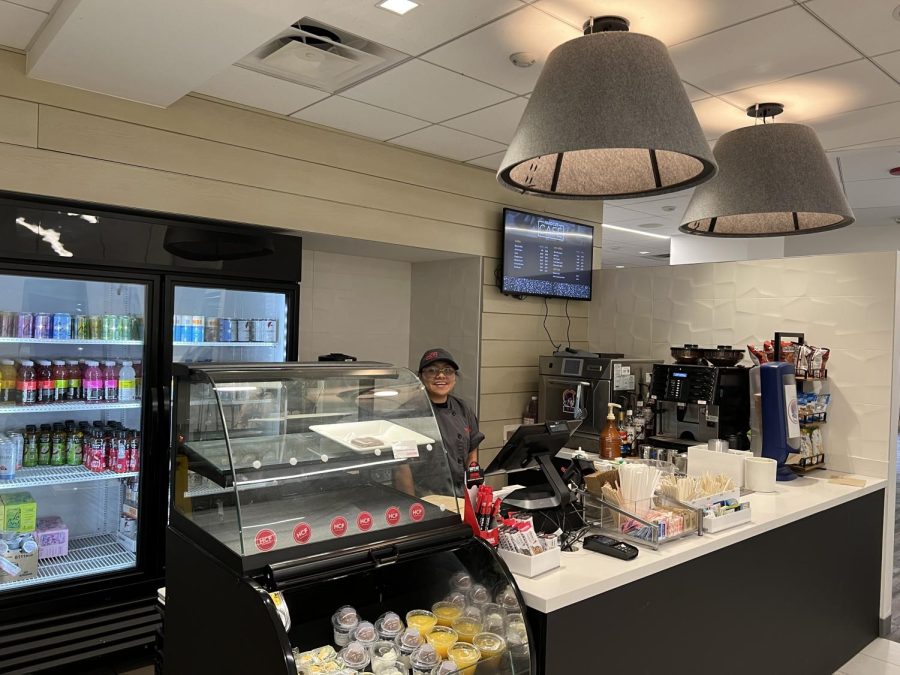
(465, 656)
(424, 659)
(446, 612)
(467, 628)
(344, 621)
(441, 638)
(493, 650)
(421, 619)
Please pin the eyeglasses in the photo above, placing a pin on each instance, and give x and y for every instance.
(433, 371)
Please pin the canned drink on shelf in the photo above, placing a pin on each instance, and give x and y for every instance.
(25, 325)
(109, 326)
(19, 439)
(8, 324)
(270, 331)
(43, 326)
(212, 329)
(259, 330)
(7, 458)
(198, 328)
(123, 330)
(82, 327)
(95, 323)
(226, 330)
(137, 327)
(62, 326)
(245, 330)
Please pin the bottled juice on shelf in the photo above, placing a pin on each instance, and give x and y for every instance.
(127, 383)
(110, 382)
(74, 445)
(45, 443)
(60, 381)
(92, 382)
(119, 455)
(44, 381)
(26, 383)
(58, 445)
(19, 440)
(138, 378)
(8, 378)
(30, 452)
(134, 450)
(73, 390)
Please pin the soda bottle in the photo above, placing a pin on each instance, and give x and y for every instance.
(8, 378)
(60, 381)
(120, 445)
(7, 458)
(45, 443)
(92, 382)
(110, 382)
(134, 450)
(30, 452)
(127, 383)
(26, 383)
(44, 382)
(58, 446)
(629, 427)
(531, 411)
(73, 390)
(74, 446)
(98, 454)
(639, 421)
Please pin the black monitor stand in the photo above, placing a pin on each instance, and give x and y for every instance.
(538, 497)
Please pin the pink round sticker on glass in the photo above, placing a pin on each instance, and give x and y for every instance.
(302, 533)
(265, 540)
(392, 515)
(364, 521)
(417, 512)
(339, 526)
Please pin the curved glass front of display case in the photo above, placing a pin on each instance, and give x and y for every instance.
(274, 456)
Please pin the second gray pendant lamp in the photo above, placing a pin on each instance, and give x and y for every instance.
(608, 119)
(774, 180)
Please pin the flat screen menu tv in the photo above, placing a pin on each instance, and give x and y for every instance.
(546, 256)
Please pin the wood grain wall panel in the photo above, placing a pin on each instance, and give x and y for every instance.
(498, 353)
(531, 327)
(18, 122)
(509, 379)
(495, 302)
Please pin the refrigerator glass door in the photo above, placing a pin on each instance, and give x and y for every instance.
(71, 391)
(218, 325)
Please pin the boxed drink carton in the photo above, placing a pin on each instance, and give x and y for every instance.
(52, 537)
(19, 559)
(19, 513)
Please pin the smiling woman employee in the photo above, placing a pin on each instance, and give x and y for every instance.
(456, 421)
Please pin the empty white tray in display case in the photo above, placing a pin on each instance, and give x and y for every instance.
(369, 436)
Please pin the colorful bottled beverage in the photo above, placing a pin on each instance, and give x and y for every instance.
(26, 383)
(92, 382)
(8, 378)
(110, 382)
(44, 381)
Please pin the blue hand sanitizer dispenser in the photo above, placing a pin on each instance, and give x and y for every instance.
(780, 416)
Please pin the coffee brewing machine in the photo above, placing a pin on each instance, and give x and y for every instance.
(696, 403)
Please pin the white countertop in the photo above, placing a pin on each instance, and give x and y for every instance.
(584, 574)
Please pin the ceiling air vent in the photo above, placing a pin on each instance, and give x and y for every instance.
(318, 55)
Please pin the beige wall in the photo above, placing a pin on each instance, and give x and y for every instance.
(354, 305)
(844, 302)
(446, 312)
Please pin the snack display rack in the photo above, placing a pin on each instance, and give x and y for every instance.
(301, 524)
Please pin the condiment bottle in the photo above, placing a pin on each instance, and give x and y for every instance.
(610, 441)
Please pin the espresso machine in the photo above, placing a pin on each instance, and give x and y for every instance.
(696, 403)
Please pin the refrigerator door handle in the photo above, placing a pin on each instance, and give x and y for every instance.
(154, 403)
(166, 400)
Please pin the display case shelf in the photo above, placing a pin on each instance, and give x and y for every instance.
(225, 344)
(87, 556)
(57, 475)
(51, 341)
(64, 407)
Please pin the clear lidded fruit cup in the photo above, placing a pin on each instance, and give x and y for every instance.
(408, 641)
(441, 638)
(344, 621)
(467, 627)
(464, 656)
(492, 647)
(421, 619)
(389, 626)
(424, 659)
(384, 654)
(446, 612)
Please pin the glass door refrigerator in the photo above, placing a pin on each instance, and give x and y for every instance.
(89, 329)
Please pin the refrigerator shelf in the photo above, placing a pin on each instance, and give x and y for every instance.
(50, 341)
(57, 475)
(225, 344)
(87, 556)
(63, 407)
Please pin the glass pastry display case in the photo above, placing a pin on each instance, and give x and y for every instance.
(314, 525)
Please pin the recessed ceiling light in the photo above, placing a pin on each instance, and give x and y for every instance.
(642, 234)
(400, 7)
(668, 207)
(644, 252)
(523, 59)
(651, 226)
(620, 267)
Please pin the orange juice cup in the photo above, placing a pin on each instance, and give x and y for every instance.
(492, 647)
(421, 619)
(446, 612)
(441, 638)
(467, 628)
(465, 656)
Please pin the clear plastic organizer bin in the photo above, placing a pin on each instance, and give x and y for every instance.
(650, 522)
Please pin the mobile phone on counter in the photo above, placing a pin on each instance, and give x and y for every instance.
(609, 546)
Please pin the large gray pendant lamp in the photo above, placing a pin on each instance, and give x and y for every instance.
(774, 180)
(608, 119)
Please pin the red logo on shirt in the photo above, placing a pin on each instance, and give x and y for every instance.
(364, 521)
(417, 512)
(339, 526)
(302, 533)
(468, 430)
(392, 515)
(265, 540)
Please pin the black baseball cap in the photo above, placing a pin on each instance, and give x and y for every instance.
(437, 354)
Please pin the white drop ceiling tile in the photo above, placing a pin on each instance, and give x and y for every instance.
(671, 21)
(869, 164)
(498, 122)
(359, 118)
(450, 143)
(717, 117)
(868, 25)
(877, 216)
(40, 5)
(765, 49)
(432, 23)
(824, 92)
(490, 162)
(693, 93)
(874, 125)
(260, 91)
(874, 144)
(484, 53)
(891, 62)
(874, 193)
(614, 214)
(18, 24)
(426, 91)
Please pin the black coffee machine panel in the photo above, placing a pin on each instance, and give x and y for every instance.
(696, 403)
